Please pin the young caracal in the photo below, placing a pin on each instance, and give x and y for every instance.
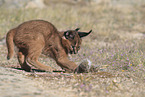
(38, 36)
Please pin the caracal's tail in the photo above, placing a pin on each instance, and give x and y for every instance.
(10, 43)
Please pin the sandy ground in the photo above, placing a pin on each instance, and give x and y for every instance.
(16, 83)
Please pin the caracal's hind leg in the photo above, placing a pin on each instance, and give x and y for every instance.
(21, 59)
(32, 58)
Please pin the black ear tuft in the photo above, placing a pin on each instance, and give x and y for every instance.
(77, 29)
(83, 34)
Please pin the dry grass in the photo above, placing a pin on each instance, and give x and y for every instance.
(116, 46)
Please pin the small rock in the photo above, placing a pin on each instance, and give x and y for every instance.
(84, 67)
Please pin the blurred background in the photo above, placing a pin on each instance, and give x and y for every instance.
(105, 17)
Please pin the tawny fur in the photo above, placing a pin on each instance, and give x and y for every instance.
(37, 36)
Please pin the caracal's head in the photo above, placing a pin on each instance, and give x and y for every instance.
(75, 38)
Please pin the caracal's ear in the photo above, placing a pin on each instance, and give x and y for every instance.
(83, 34)
(70, 34)
(77, 29)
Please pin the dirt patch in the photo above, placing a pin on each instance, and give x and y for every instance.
(17, 83)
